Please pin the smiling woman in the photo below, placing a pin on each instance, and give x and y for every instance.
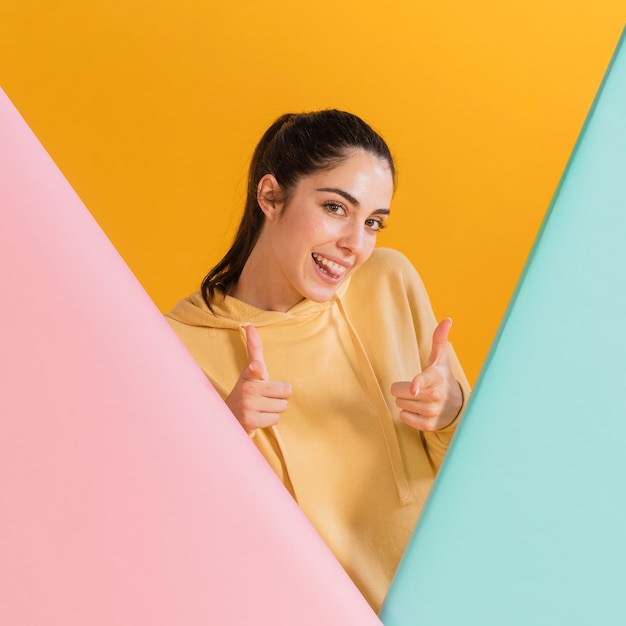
(326, 349)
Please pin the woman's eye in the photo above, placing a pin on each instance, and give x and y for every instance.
(334, 207)
(374, 224)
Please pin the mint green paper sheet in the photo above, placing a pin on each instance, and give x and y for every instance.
(526, 524)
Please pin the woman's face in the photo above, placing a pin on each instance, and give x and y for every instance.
(325, 231)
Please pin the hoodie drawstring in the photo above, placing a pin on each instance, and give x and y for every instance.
(385, 418)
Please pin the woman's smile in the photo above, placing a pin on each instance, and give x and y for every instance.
(329, 268)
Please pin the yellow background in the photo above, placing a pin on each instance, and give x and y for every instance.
(152, 108)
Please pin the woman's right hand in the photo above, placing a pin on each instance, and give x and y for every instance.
(255, 400)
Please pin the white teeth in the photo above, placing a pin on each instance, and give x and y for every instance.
(333, 267)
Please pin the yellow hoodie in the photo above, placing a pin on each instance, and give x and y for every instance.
(359, 474)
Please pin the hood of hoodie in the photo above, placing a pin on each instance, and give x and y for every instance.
(231, 313)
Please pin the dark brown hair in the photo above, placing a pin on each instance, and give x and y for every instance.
(295, 145)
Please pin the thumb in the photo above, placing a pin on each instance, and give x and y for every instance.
(439, 352)
(256, 369)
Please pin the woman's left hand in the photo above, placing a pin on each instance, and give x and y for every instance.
(433, 399)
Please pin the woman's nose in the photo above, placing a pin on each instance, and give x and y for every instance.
(353, 238)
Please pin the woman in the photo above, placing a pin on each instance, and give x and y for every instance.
(325, 349)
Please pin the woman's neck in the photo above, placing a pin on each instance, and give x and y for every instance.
(261, 284)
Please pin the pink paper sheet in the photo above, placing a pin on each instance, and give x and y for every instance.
(128, 494)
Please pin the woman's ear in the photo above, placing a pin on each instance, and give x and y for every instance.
(269, 197)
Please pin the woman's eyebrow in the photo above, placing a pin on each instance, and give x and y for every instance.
(351, 199)
(344, 194)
